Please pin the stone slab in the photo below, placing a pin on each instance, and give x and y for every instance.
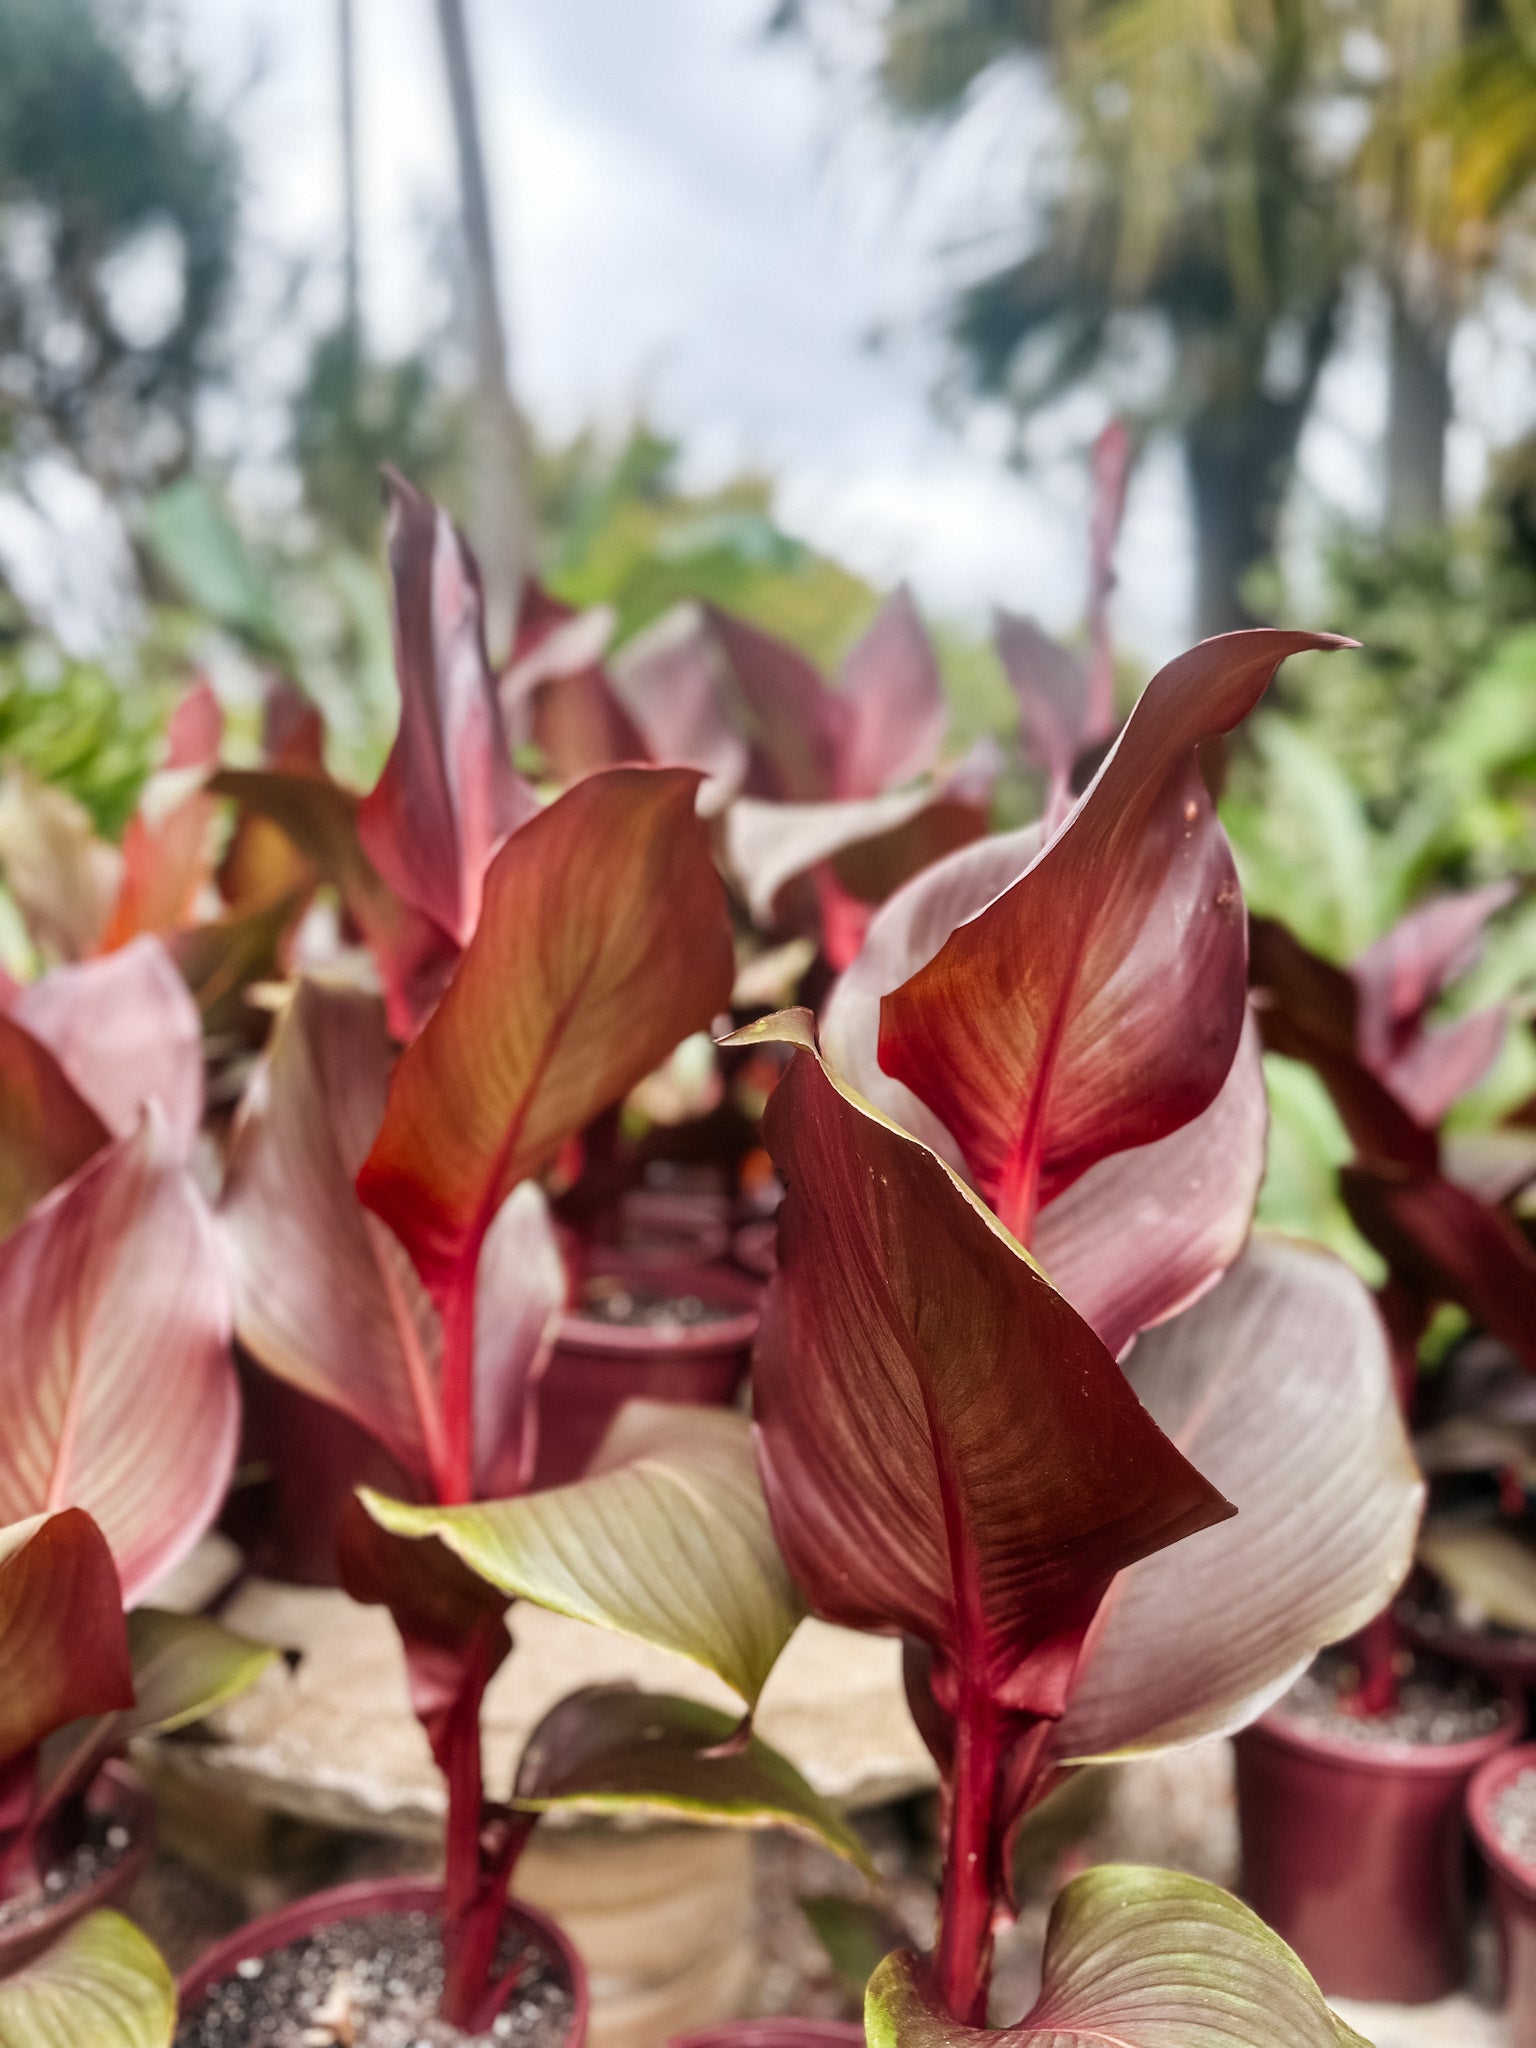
(335, 1741)
(1450, 2023)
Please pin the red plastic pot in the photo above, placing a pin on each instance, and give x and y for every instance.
(1355, 1853)
(357, 1902)
(119, 1794)
(1513, 1884)
(597, 1366)
(1508, 1661)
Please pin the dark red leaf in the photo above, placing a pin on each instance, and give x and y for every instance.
(1097, 1004)
(63, 1640)
(448, 796)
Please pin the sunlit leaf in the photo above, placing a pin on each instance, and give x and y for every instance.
(1141, 1959)
(666, 1539)
(101, 1985)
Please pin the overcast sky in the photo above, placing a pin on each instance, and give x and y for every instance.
(706, 226)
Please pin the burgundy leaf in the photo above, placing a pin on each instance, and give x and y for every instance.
(1051, 686)
(557, 696)
(117, 1393)
(1401, 975)
(167, 859)
(670, 678)
(1147, 1232)
(126, 1031)
(448, 795)
(948, 1450)
(1449, 1245)
(1042, 1057)
(794, 718)
(47, 1128)
(63, 1641)
(894, 711)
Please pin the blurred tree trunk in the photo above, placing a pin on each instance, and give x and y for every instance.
(1239, 458)
(1418, 419)
(501, 520)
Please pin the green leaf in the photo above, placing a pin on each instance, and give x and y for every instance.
(183, 1667)
(610, 1747)
(1142, 1959)
(101, 1985)
(1486, 1568)
(856, 1934)
(666, 1539)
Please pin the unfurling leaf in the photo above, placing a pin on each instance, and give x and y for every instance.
(1139, 1958)
(610, 1748)
(666, 1539)
(47, 1128)
(603, 943)
(117, 1393)
(101, 1985)
(63, 1647)
(1098, 1002)
(1278, 1386)
(448, 795)
(948, 1450)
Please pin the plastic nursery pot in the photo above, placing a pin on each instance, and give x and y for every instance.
(1355, 1852)
(117, 1797)
(306, 1917)
(1513, 1884)
(1508, 1659)
(599, 1364)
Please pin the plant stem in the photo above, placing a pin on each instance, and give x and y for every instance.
(472, 1905)
(456, 1482)
(1376, 1647)
(963, 1964)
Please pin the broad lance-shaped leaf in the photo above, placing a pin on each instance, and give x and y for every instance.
(64, 880)
(414, 955)
(47, 1128)
(1097, 1004)
(448, 795)
(669, 677)
(666, 1539)
(767, 845)
(167, 848)
(63, 1647)
(126, 1031)
(948, 1450)
(117, 1393)
(603, 944)
(1278, 1385)
(1134, 1958)
(325, 1295)
(788, 709)
(892, 712)
(101, 1985)
(1144, 1232)
(610, 1748)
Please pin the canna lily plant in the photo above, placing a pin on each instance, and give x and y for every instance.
(118, 1414)
(1434, 1204)
(1086, 1559)
(392, 1255)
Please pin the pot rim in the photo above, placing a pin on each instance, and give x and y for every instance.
(120, 1789)
(1487, 1783)
(586, 1334)
(1511, 1659)
(1401, 1759)
(357, 1901)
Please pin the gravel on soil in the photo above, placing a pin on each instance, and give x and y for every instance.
(371, 1983)
(630, 1305)
(103, 1846)
(1513, 1815)
(1437, 1704)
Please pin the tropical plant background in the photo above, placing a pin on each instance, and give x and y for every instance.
(1286, 242)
